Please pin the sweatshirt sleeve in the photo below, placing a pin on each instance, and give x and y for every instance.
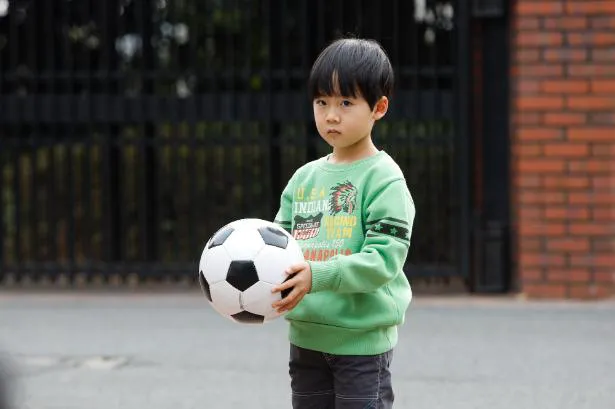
(388, 217)
(284, 215)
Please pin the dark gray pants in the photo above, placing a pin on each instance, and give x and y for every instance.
(325, 381)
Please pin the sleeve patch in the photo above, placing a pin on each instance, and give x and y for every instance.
(386, 228)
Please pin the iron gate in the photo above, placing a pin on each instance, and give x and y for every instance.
(130, 130)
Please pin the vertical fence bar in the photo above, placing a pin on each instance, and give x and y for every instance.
(463, 90)
(172, 103)
(194, 240)
(273, 130)
(31, 147)
(112, 239)
(16, 132)
(147, 141)
(50, 73)
(5, 148)
(86, 220)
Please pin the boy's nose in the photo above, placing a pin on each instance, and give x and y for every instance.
(332, 116)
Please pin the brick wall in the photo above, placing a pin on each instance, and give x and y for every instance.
(563, 138)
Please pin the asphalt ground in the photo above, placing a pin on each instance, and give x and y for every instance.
(172, 351)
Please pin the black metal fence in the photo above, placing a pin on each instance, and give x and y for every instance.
(131, 130)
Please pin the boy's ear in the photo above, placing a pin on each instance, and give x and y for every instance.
(381, 108)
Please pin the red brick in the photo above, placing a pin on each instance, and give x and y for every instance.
(539, 103)
(592, 39)
(539, 70)
(603, 245)
(580, 198)
(567, 23)
(526, 118)
(565, 54)
(591, 134)
(602, 150)
(567, 213)
(590, 7)
(604, 215)
(568, 244)
(531, 244)
(539, 198)
(541, 165)
(527, 23)
(604, 184)
(601, 118)
(604, 260)
(590, 291)
(566, 182)
(603, 86)
(539, 8)
(566, 149)
(603, 55)
(527, 86)
(539, 134)
(606, 277)
(564, 118)
(528, 259)
(605, 197)
(539, 39)
(590, 70)
(590, 229)
(541, 229)
(568, 275)
(591, 102)
(602, 22)
(527, 55)
(566, 86)
(528, 150)
(527, 181)
(546, 291)
(531, 274)
(590, 166)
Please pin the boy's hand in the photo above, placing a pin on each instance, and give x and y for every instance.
(300, 277)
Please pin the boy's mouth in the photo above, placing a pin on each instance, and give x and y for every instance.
(333, 132)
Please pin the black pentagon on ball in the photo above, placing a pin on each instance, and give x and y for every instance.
(242, 274)
(220, 236)
(273, 237)
(204, 285)
(246, 317)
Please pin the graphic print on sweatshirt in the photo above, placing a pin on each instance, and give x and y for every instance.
(333, 213)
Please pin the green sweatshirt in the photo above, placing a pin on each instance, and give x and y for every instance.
(353, 222)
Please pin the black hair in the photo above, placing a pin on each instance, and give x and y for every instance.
(352, 67)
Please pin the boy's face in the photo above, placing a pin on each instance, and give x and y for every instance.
(344, 121)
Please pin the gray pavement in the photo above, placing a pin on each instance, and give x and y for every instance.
(172, 351)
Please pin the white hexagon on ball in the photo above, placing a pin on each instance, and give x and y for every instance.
(258, 299)
(214, 264)
(225, 298)
(272, 261)
(244, 244)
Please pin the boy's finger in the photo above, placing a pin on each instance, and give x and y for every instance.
(295, 301)
(282, 304)
(286, 284)
(295, 268)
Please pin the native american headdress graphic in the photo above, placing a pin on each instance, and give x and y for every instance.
(343, 198)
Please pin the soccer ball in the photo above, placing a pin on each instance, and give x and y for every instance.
(241, 263)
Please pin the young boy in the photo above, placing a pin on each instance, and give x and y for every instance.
(352, 214)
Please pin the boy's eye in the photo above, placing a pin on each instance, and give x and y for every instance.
(346, 103)
(320, 102)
